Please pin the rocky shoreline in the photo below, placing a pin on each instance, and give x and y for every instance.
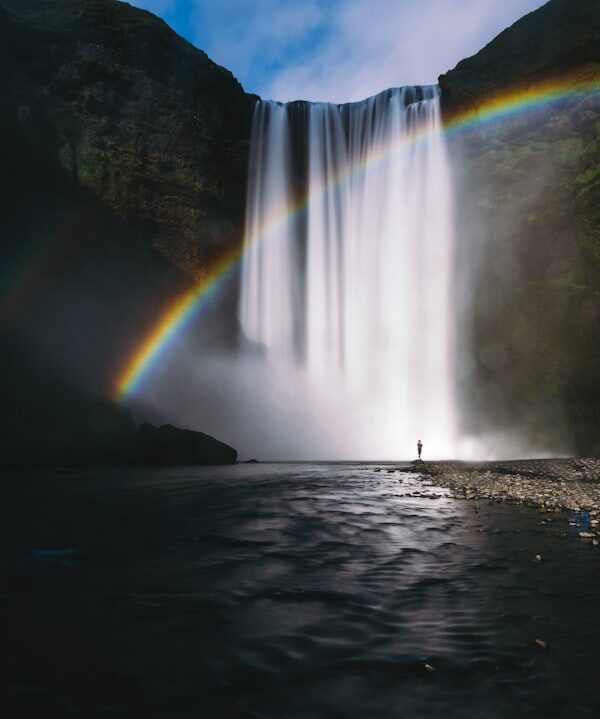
(550, 484)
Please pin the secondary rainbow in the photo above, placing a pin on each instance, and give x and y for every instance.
(180, 315)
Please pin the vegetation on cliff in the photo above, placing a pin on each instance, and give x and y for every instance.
(528, 193)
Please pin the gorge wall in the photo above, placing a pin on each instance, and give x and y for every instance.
(124, 163)
(124, 153)
(528, 204)
(133, 113)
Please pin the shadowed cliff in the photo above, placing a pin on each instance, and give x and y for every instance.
(135, 114)
(528, 206)
(124, 154)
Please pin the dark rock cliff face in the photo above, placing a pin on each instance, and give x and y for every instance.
(124, 154)
(553, 41)
(528, 193)
(168, 445)
(45, 420)
(137, 115)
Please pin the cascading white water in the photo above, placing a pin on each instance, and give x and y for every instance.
(347, 273)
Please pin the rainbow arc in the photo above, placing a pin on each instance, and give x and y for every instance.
(177, 318)
(183, 312)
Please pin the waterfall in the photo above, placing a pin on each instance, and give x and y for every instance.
(347, 273)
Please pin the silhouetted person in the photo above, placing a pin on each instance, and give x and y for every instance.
(419, 447)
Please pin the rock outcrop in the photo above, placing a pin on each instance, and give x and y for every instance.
(528, 192)
(170, 445)
(45, 420)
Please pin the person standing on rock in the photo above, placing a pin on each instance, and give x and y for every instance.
(419, 447)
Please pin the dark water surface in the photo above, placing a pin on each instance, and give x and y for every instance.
(289, 590)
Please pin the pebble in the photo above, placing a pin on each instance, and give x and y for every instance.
(551, 485)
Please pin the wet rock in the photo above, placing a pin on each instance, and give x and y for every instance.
(551, 485)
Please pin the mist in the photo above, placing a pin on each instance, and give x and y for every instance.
(505, 406)
(510, 262)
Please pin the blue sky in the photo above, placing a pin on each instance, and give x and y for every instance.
(337, 50)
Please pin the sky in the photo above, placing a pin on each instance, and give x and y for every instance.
(337, 50)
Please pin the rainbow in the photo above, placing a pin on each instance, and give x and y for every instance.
(525, 101)
(180, 315)
(26, 277)
(23, 283)
(174, 322)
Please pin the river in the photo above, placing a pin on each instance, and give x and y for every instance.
(288, 590)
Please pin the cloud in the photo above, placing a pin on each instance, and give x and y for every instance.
(338, 50)
(373, 44)
(256, 39)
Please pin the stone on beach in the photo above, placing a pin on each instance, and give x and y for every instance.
(550, 484)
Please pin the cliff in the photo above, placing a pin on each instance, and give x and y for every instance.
(528, 194)
(124, 153)
(46, 420)
(134, 114)
(556, 40)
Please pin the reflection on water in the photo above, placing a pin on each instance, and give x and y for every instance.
(288, 591)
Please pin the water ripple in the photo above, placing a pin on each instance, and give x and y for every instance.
(280, 591)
